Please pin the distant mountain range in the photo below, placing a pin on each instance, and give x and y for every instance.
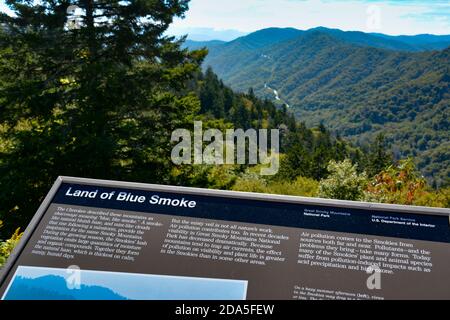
(270, 36)
(206, 34)
(53, 287)
(357, 84)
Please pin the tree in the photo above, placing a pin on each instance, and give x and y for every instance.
(212, 95)
(297, 162)
(344, 182)
(399, 184)
(99, 100)
(378, 158)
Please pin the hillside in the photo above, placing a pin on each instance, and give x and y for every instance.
(356, 84)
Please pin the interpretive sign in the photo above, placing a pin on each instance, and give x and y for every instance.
(93, 239)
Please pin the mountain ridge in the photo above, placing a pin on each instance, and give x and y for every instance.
(420, 42)
(356, 89)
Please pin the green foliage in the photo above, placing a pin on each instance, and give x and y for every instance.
(243, 110)
(6, 247)
(100, 101)
(432, 198)
(310, 150)
(299, 187)
(344, 182)
(206, 176)
(378, 158)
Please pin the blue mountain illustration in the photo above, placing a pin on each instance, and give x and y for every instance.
(52, 287)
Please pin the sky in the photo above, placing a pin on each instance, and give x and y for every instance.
(395, 17)
(228, 19)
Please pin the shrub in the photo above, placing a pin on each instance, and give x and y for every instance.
(299, 187)
(402, 184)
(344, 182)
(8, 246)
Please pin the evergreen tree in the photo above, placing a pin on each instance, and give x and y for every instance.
(251, 94)
(378, 158)
(297, 163)
(96, 99)
(212, 95)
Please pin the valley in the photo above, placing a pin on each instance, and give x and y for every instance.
(357, 84)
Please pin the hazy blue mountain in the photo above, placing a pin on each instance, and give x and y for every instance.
(264, 38)
(270, 36)
(194, 45)
(206, 34)
(257, 40)
(421, 42)
(357, 84)
(369, 40)
(55, 288)
(238, 52)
